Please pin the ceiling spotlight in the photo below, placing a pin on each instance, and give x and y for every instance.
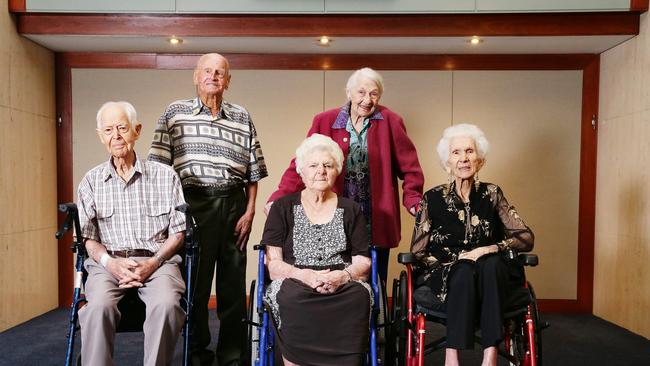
(475, 40)
(324, 41)
(175, 41)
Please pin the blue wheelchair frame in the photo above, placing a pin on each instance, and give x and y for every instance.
(264, 329)
(78, 247)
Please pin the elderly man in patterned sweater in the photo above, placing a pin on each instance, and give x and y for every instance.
(213, 146)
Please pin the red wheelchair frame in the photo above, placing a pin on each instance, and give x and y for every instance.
(522, 345)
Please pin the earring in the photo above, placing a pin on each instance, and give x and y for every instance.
(477, 183)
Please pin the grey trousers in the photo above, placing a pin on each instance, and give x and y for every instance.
(99, 317)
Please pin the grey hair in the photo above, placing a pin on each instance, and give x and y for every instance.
(127, 107)
(462, 130)
(368, 74)
(318, 142)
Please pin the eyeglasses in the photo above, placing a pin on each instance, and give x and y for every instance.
(121, 129)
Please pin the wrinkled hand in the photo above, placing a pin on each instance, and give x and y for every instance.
(130, 273)
(146, 267)
(267, 208)
(123, 270)
(332, 281)
(243, 230)
(477, 253)
(312, 278)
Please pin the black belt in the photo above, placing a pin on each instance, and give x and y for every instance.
(214, 191)
(131, 253)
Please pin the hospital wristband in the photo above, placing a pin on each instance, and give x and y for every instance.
(104, 259)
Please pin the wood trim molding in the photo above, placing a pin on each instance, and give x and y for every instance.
(587, 194)
(17, 6)
(639, 5)
(64, 176)
(559, 306)
(365, 25)
(589, 64)
(247, 61)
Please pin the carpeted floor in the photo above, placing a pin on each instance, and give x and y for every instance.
(572, 340)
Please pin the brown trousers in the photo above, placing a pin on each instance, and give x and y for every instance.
(99, 317)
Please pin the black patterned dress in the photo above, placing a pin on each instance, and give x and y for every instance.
(445, 227)
(314, 328)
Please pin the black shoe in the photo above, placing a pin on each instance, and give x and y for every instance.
(202, 357)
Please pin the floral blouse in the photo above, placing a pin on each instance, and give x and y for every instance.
(445, 227)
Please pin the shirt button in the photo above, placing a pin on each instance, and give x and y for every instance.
(345, 139)
(320, 258)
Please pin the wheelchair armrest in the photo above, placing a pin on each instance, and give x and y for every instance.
(259, 246)
(406, 258)
(528, 259)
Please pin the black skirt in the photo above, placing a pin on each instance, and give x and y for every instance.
(316, 329)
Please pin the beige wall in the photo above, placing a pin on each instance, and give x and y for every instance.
(531, 118)
(622, 271)
(28, 255)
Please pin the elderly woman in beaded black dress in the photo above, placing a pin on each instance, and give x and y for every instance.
(460, 228)
(317, 248)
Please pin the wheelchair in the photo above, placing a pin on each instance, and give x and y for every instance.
(261, 340)
(130, 306)
(522, 343)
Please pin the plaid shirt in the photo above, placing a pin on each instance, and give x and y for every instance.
(137, 214)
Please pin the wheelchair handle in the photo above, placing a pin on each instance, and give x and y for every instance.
(68, 207)
(64, 227)
(530, 260)
(184, 208)
(71, 218)
(406, 258)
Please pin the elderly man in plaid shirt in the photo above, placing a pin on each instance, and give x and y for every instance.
(132, 233)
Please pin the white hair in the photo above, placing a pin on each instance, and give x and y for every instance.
(365, 74)
(127, 107)
(318, 142)
(462, 130)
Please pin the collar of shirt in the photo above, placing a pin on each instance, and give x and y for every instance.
(344, 115)
(361, 134)
(199, 107)
(109, 170)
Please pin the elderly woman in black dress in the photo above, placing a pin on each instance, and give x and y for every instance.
(317, 248)
(460, 228)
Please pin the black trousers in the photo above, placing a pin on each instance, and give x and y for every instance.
(217, 214)
(476, 294)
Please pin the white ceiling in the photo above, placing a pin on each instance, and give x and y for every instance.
(343, 45)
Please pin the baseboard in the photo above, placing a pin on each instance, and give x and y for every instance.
(545, 305)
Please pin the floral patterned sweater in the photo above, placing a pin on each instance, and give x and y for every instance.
(445, 227)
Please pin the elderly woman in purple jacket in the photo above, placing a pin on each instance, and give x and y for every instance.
(377, 153)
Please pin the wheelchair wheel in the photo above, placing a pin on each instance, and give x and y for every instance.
(400, 321)
(254, 318)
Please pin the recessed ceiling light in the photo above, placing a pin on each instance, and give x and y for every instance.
(175, 41)
(324, 41)
(475, 40)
